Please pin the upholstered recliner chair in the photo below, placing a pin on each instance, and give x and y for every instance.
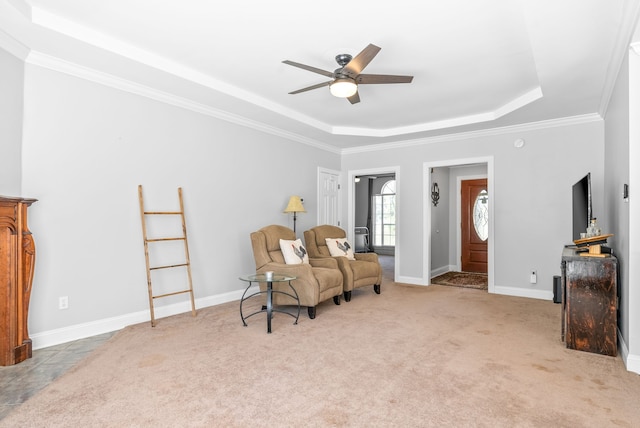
(316, 281)
(364, 270)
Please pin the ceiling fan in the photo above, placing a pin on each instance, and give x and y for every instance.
(347, 77)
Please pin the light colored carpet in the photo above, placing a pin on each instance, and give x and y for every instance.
(410, 357)
(462, 279)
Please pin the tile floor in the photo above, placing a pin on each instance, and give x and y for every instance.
(23, 380)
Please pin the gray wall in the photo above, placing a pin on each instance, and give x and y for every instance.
(11, 98)
(632, 312)
(88, 146)
(617, 173)
(441, 222)
(622, 155)
(532, 201)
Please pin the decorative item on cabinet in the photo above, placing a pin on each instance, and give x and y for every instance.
(593, 229)
(17, 263)
(591, 242)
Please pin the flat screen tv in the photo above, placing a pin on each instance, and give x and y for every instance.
(582, 210)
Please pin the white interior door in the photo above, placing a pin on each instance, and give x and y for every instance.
(328, 197)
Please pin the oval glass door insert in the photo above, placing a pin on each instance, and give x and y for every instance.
(481, 215)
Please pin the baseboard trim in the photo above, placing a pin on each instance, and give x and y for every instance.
(507, 291)
(441, 270)
(631, 362)
(409, 280)
(523, 292)
(385, 251)
(81, 331)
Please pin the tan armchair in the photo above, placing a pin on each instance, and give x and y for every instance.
(364, 270)
(315, 281)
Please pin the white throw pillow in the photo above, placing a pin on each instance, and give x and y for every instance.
(294, 252)
(340, 247)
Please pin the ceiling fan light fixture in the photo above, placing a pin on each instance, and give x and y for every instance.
(343, 87)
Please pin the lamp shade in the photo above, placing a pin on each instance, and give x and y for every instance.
(295, 205)
(343, 87)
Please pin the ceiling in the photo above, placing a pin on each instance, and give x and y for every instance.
(477, 65)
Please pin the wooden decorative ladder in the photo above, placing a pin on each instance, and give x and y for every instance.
(187, 264)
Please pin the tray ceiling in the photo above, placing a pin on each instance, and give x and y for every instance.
(476, 65)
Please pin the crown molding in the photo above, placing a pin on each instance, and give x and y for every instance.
(44, 19)
(100, 40)
(56, 64)
(21, 6)
(108, 43)
(525, 127)
(502, 110)
(623, 44)
(13, 46)
(102, 78)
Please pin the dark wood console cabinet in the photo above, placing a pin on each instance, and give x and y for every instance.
(589, 302)
(17, 262)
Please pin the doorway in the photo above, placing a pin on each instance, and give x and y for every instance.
(437, 259)
(362, 186)
(375, 212)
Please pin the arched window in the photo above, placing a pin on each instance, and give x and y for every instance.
(384, 210)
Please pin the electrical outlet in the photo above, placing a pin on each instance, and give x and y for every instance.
(63, 302)
(534, 277)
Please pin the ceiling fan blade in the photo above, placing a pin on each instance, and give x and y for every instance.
(382, 78)
(360, 61)
(309, 68)
(308, 88)
(355, 98)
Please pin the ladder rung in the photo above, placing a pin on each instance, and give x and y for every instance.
(162, 212)
(169, 266)
(172, 294)
(166, 239)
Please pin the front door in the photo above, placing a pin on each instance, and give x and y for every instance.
(475, 225)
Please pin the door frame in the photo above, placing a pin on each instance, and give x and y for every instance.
(351, 211)
(426, 204)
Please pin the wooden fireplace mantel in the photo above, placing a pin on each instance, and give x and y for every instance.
(17, 262)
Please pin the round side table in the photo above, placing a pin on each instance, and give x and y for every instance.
(269, 309)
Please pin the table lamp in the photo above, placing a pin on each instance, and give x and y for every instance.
(295, 206)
